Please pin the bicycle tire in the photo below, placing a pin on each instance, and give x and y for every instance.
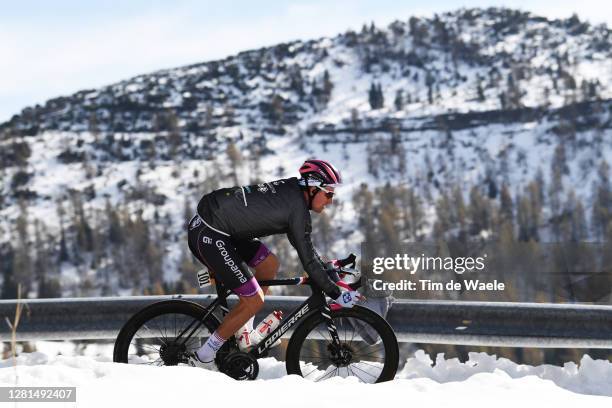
(168, 355)
(359, 318)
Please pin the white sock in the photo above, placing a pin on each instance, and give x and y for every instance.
(207, 352)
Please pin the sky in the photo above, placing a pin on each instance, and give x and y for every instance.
(55, 48)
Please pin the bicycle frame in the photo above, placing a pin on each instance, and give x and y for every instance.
(316, 302)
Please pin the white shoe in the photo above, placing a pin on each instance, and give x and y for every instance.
(195, 361)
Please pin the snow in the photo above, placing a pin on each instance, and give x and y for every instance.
(481, 380)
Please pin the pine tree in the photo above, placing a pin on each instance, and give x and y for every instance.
(513, 91)
(372, 96)
(174, 136)
(602, 201)
(364, 203)
(277, 109)
(558, 169)
(579, 227)
(479, 90)
(529, 212)
(522, 215)
(429, 82)
(9, 283)
(389, 214)
(229, 114)
(22, 262)
(328, 86)
(479, 211)
(323, 229)
(399, 100)
(63, 254)
(115, 236)
(460, 210)
(414, 213)
(380, 97)
(376, 97)
(444, 216)
(84, 234)
(355, 123)
(506, 204)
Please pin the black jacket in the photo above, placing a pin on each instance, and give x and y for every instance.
(277, 207)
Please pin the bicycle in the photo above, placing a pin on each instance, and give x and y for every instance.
(320, 347)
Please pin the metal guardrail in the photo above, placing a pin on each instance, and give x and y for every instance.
(443, 322)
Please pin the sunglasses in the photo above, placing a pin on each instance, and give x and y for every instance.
(328, 194)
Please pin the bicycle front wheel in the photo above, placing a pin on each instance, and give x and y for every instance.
(164, 333)
(368, 348)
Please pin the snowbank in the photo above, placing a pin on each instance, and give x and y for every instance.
(477, 383)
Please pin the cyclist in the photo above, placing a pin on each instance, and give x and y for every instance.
(223, 236)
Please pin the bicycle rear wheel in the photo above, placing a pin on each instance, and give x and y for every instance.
(158, 334)
(368, 348)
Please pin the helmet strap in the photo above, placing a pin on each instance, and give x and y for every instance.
(310, 194)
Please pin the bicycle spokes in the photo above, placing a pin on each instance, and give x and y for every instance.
(350, 351)
(162, 340)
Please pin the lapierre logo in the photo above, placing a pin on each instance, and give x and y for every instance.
(283, 328)
(230, 262)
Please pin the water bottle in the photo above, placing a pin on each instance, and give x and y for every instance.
(248, 338)
(266, 326)
(243, 338)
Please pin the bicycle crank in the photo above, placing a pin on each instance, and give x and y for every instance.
(240, 366)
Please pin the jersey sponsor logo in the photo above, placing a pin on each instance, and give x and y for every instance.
(262, 188)
(276, 335)
(195, 223)
(207, 240)
(230, 262)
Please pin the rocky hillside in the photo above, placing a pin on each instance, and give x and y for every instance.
(472, 104)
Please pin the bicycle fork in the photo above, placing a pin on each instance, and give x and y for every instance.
(331, 328)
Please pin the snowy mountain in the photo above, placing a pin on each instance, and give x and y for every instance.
(485, 102)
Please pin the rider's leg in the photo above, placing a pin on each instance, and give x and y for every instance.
(267, 270)
(238, 316)
(263, 261)
(251, 300)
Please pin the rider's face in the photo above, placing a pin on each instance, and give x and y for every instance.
(321, 199)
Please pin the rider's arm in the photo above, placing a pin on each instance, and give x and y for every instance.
(299, 236)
